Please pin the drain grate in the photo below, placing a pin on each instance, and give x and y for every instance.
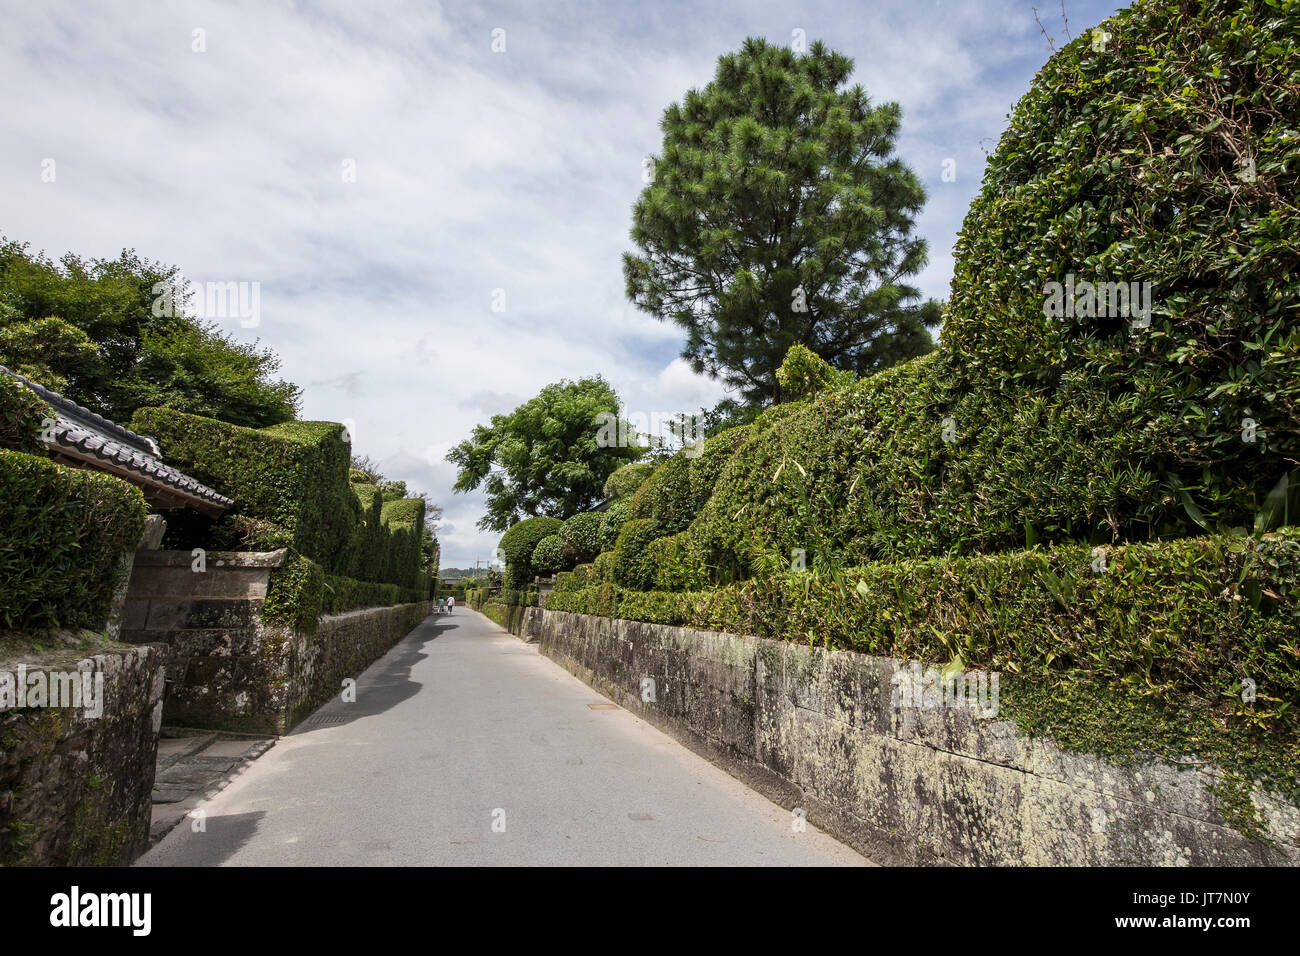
(603, 706)
(321, 720)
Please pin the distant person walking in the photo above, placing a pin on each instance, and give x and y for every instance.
(451, 604)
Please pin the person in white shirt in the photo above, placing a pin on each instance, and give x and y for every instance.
(451, 604)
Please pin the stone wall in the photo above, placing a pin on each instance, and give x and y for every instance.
(821, 730)
(344, 646)
(228, 670)
(76, 789)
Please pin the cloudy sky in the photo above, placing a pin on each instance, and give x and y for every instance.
(385, 175)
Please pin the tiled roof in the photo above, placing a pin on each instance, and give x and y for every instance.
(91, 438)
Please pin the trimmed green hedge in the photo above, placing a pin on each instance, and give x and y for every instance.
(63, 535)
(293, 488)
(666, 496)
(633, 566)
(602, 569)
(611, 524)
(1161, 638)
(522, 597)
(294, 475)
(574, 580)
(1171, 157)
(299, 592)
(346, 594)
(1026, 427)
(518, 544)
(295, 594)
(580, 537)
(623, 481)
(21, 415)
(676, 563)
(548, 556)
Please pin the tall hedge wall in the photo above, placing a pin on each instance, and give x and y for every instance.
(1159, 148)
(293, 475)
(292, 487)
(63, 534)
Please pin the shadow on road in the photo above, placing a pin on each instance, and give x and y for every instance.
(385, 687)
(221, 837)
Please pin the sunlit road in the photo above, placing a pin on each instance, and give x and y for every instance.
(466, 746)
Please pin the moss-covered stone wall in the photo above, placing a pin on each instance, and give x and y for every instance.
(75, 788)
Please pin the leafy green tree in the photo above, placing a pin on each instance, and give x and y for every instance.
(549, 457)
(778, 215)
(91, 329)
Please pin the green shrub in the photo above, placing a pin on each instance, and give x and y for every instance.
(293, 488)
(548, 556)
(63, 534)
(627, 479)
(367, 493)
(574, 580)
(517, 597)
(677, 566)
(712, 459)
(666, 495)
(580, 537)
(518, 544)
(295, 594)
(611, 524)
(242, 533)
(341, 594)
(602, 569)
(403, 555)
(293, 475)
(21, 415)
(1172, 158)
(1024, 428)
(632, 565)
(804, 374)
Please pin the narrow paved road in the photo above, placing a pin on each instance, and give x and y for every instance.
(459, 726)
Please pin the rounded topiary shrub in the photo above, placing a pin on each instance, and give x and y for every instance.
(548, 556)
(1152, 170)
(611, 524)
(677, 566)
(624, 481)
(519, 543)
(708, 465)
(666, 495)
(632, 566)
(580, 537)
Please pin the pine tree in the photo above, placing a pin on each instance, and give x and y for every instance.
(778, 215)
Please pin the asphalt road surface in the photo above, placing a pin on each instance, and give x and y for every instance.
(467, 747)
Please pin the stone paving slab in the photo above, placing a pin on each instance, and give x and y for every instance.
(194, 767)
